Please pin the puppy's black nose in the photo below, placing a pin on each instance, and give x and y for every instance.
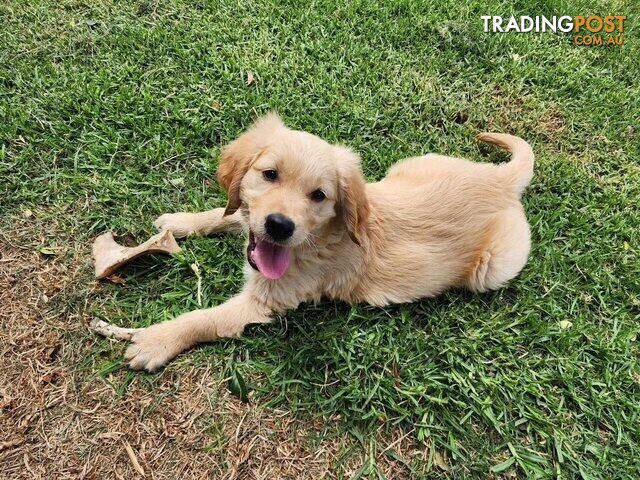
(278, 226)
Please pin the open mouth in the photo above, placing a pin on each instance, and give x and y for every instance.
(270, 259)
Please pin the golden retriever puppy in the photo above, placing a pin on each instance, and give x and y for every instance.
(315, 229)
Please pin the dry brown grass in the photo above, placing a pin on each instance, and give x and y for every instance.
(59, 421)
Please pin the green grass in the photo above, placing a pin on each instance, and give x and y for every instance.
(112, 113)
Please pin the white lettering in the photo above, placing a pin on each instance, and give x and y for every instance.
(525, 23)
(497, 24)
(568, 24)
(523, 26)
(551, 25)
(512, 25)
(485, 19)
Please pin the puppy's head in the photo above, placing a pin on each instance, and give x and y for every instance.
(291, 186)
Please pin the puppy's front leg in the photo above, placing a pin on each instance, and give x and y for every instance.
(154, 346)
(183, 224)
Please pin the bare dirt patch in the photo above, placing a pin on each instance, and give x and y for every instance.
(58, 420)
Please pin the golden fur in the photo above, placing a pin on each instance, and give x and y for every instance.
(431, 224)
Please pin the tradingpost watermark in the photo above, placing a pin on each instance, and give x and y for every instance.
(589, 30)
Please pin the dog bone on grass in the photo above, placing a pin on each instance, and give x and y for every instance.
(109, 256)
(111, 331)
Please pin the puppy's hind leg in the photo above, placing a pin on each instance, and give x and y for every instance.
(505, 253)
(183, 224)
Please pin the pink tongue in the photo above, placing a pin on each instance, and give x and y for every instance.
(272, 260)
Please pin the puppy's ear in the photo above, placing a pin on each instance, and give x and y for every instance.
(354, 205)
(237, 157)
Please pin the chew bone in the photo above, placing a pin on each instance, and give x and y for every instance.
(111, 331)
(109, 256)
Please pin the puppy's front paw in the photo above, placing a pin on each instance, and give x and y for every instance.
(180, 224)
(153, 347)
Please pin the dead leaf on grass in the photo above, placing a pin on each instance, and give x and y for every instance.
(134, 460)
(14, 442)
(440, 461)
(50, 377)
(117, 279)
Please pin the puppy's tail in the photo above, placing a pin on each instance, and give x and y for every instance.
(520, 169)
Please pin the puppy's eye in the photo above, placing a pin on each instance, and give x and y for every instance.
(318, 195)
(270, 175)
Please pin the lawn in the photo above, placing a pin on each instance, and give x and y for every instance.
(112, 113)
